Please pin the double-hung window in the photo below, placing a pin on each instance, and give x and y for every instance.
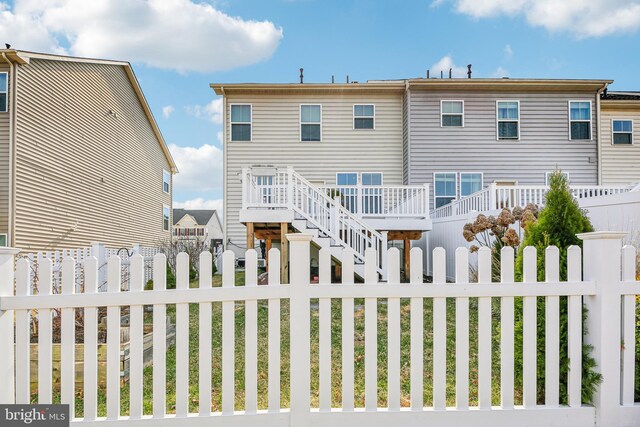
(452, 113)
(364, 116)
(165, 218)
(579, 119)
(470, 182)
(622, 131)
(445, 188)
(166, 181)
(310, 122)
(508, 119)
(3, 92)
(240, 122)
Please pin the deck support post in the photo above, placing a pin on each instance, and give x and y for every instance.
(251, 236)
(266, 252)
(284, 252)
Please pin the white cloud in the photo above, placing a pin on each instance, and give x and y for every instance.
(508, 52)
(500, 72)
(200, 203)
(219, 136)
(200, 168)
(182, 35)
(444, 64)
(211, 111)
(592, 18)
(167, 110)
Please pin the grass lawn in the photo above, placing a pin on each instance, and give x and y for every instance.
(336, 357)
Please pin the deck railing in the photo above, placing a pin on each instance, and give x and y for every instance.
(495, 197)
(383, 201)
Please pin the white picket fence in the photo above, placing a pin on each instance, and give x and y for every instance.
(608, 290)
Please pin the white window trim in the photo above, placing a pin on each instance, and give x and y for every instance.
(470, 173)
(590, 118)
(250, 122)
(6, 91)
(614, 132)
(434, 186)
(167, 173)
(498, 120)
(300, 122)
(169, 222)
(353, 122)
(547, 174)
(454, 114)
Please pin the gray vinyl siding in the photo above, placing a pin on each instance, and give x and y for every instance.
(620, 163)
(83, 175)
(544, 139)
(276, 141)
(4, 158)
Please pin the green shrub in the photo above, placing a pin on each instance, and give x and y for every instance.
(558, 223)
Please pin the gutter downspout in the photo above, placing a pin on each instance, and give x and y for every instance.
(599, 141)
(224, 169)
(12, 95)
(407, 94)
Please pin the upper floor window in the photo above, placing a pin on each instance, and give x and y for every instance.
(240, 122)
(364, 116)
(310, 122)
(347, 178)
(165, 218)
(622, 131)
(470, 182)
(580, 119)
(166, 181)
(3, 92)
(445, 188)
(452, 113)
(508, 119)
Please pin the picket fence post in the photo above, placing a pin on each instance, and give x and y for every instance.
(7, 359)
(300, 328)
(602, 265)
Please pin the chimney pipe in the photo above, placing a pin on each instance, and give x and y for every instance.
(333, 79)
(347, 78)
(441, 74)
(450, 70)
(301, 75)
(469, 71)
(427, 73)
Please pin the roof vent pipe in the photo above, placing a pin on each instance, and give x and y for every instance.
(333, 79)
(450, 71)
(427, 73)
(347, 78)
(469, 71)
(301, 75)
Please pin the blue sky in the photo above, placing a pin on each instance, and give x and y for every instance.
(178, 47)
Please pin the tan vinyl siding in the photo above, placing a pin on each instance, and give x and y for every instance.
(620, 163)
(4, 157)
(276, 141)
(83, 174)
(544, 139)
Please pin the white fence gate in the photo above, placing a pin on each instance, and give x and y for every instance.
(608, 289)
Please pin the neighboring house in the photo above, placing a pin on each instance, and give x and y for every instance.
(81, 156)
(197, 223)
(620, 140)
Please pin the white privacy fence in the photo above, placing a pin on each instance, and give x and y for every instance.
(501, 396)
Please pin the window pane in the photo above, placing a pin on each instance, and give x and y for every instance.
(310, 113)
(3, 82)
(470, 183)
(446, 184)
(580, 130)
(580, 111)
(622, 126)
(508, 110)
(240, 132)
(452, 120)
(310, 132)
(371, 179)
(362, 123)
(508, 130)
(3, 102)
(622, 138)
(441, 201)
(240, 113)
(347, 178)
(451, 107)
(368, 110)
